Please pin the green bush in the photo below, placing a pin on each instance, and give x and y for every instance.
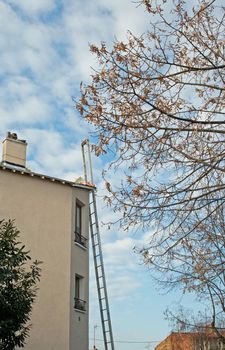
(18, 288)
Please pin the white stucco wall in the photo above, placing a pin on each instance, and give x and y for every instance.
(44, 213)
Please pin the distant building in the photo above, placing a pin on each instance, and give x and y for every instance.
(53, 218)
(191, 341)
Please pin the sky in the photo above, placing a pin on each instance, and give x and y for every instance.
(44, 55)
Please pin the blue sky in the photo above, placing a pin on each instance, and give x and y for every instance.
(43, 57)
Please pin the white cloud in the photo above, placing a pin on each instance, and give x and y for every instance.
(135, 20)
(52, 155)
(121, 252)
(42, 62)
(21, 103)
(33, 7)
(122, 266)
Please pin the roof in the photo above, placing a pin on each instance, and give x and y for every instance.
(183, 340)
(26, 172)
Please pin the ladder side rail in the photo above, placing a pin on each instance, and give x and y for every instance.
(87, 163)
(98, 284)
(103, 272)
(90, 163)
(84, 161)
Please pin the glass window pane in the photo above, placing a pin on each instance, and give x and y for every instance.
(78, 218)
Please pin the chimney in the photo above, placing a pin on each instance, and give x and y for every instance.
(14, 150)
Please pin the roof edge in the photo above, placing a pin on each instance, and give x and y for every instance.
(27, 172)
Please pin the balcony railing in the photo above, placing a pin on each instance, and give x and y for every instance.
(79, 304)
(80, 239)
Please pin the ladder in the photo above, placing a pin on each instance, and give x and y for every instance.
(97, 251)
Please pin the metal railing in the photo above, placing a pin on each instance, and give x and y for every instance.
(79, 304)
(80, 239)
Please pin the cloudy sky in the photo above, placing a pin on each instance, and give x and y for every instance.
(44, 56)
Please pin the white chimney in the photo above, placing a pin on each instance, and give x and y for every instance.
(14, 150)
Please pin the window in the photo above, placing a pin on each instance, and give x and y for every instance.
(78, 226)
(78, 219)
(79, 303)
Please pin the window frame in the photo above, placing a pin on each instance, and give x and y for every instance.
(79, 302)
(79, 239)
(78, 218)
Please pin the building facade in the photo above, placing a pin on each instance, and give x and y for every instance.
(52, 216)
(191, 341)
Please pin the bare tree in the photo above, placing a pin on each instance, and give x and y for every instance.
(158, 102)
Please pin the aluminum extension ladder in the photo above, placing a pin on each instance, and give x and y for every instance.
(97, 251)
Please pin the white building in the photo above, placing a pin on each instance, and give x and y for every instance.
(53, 218)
